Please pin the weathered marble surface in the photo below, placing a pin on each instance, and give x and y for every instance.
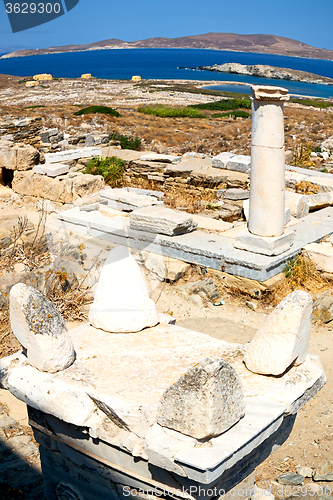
(40, 329)
(122, 302)
(284, 337)
(129, 374)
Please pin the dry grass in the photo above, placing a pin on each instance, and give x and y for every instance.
(300, 274)
(187, 199)
(64, 290)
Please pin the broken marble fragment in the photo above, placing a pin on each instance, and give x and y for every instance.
(40, 328)
(284, 337)
(204, 402)
(122, 303)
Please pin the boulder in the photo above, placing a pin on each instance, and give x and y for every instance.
(284, 337)
(85, 185)
(161, 220)
(204, 402)
(41, 330)
(122, 303)
(27, 157)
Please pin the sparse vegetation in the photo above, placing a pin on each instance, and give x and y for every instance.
(302, 155)
(233, 114)
(316, 103)
(126, 141)
(300, 273)
(103, 110)
(169, 112)
(224, 105)
(111, 169)
(35, 107)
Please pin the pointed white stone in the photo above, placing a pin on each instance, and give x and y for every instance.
(204, 402)
(122, 303)
(284, 337)
(40, 328)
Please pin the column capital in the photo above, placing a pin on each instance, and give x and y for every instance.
(269, 93)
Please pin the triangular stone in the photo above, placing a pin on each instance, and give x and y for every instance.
(284, 337)
(204, 402)
(40, 328)
(122, 303)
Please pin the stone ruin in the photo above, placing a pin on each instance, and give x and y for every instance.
(278, 225)
(129, 405)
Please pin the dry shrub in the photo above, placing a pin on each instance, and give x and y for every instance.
(305, 187)
(300, 273)
(302, 155)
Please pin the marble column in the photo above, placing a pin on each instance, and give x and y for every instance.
(267, 198)
(265, 233)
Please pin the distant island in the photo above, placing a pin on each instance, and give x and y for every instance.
(264, 44)
(265, 71)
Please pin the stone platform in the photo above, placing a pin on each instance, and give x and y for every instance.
(213, 250)
(100, 413)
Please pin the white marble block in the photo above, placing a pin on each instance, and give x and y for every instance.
(122, 199)
(298, 204)
(284, 337)
(41, 330)
(204, 402)
(122, 303)
(51, 169)
(162, 220)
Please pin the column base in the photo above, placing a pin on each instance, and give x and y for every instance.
(266, 245)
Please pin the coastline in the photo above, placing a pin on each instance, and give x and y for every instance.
(13, 55)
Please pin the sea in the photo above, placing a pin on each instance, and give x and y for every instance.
(122, 64)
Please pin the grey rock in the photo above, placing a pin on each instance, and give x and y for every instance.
(290, 478)
(161, 220)
(44, 137)
(7, 423)
(324, 472)
(208, 287)
(52, 131)
(323, 309)
(204, 402)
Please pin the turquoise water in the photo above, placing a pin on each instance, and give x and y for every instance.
(164, 64)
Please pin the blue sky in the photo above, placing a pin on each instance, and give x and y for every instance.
(94, 20)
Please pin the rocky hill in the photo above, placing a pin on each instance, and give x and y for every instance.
(265, 71)
(266, 44)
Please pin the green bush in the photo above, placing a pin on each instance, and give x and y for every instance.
(103, 110)
(168, 112)
(126, 141)
(234, 114)
(112, 169)
(224, 105)
(316, 103)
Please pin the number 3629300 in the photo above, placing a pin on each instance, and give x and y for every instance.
(33, 8)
